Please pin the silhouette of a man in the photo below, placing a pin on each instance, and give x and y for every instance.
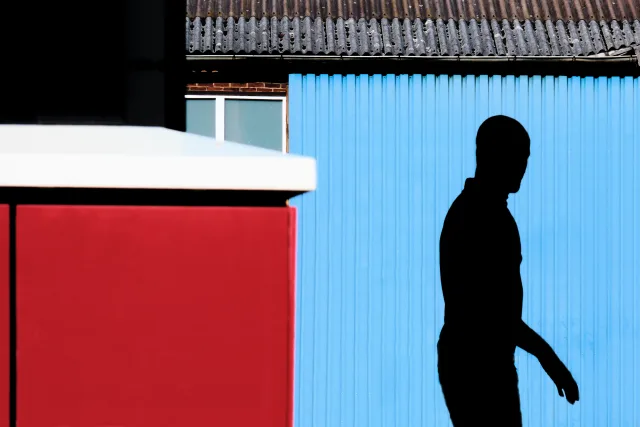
(480, 256)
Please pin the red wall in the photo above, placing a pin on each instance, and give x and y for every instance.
(153, 317)
(4, 315)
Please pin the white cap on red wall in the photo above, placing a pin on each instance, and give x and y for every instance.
(56, 156)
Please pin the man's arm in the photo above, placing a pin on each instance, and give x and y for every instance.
(528, 340)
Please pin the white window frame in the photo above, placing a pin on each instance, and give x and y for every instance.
(220, 99)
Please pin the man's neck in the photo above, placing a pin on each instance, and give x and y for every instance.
(490, 187)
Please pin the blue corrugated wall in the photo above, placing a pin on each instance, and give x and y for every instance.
(392, 153)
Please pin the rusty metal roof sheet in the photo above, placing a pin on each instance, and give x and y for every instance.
(410, 37)
(566, 10)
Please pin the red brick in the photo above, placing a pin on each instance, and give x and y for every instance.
(253, 87)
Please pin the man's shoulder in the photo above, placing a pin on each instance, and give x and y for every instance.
(461, 207)
(458, 217)
(471, 216)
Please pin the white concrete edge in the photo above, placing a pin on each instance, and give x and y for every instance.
(127, 172)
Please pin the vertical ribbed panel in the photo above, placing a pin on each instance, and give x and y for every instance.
(392, 154)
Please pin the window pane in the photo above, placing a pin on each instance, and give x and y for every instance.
(254, 122)
(201, 117)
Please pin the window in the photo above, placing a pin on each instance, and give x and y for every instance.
(254, 120)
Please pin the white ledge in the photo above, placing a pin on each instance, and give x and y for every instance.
(62, 156)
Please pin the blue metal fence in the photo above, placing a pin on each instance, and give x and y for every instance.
(392, 154)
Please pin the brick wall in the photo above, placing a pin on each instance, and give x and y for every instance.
(255, 88)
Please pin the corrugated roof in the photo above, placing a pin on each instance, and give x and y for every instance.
(411, 37)
(566, 10)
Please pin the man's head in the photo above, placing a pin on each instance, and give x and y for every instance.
(502, 152)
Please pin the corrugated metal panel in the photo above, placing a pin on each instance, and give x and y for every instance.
(392, 154)
(409, 37)
(421, 9)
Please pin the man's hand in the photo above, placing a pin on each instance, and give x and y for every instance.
(528, 340)
(560, 375)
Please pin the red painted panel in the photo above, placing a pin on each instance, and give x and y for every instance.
(292, 304)
(152, 317)
(4, 315)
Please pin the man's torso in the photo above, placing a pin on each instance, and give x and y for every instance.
(480, 256)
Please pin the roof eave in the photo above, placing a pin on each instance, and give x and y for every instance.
(599, 59)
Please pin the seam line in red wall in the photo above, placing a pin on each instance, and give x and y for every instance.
(13, 330)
